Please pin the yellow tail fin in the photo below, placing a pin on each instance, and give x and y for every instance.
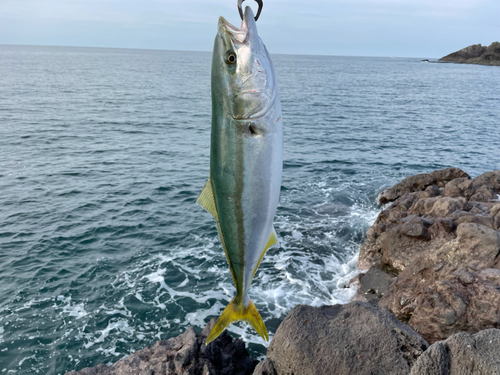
(233, 313)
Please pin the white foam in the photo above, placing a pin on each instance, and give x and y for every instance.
(197, 319)
(32, 302)
(120, 325)
(25, 358)
(75, 310)
(109, 352)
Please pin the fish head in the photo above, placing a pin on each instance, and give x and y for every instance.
(243, 79)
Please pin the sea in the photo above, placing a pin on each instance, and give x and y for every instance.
(103, 153)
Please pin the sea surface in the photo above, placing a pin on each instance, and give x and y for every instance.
(103, 153)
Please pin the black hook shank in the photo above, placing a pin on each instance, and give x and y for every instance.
(261, 4)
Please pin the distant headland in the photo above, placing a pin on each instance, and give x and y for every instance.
(476, 54)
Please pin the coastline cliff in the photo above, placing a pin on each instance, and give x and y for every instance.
(476, 54)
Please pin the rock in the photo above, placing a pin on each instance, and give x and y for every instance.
(462, 354)
(443, 176)
(435, 245)
(491, 179)
(415, 226)
(410, 184)
(447, 290)
(372, 285)
(484, 194)
(495, 210)
(357, 338)
(421, 182)
(460, 187)
(266, 367)
(184, 354)
(465, 54)
(476, 54)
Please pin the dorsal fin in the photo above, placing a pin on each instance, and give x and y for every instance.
(207, 200)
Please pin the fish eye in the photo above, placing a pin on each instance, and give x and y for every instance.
(231, 58)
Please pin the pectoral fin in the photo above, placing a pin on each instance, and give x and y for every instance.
(207, 200)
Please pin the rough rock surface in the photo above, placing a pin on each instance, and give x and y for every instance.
(184, 354)
(476, 54)
(462, 354)
(420, 182)
(357, 338)
(266, 367)
(438, 247)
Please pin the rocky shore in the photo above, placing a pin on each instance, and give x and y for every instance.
(476, 54)
(430, 275)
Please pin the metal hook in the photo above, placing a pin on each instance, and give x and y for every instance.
(261, 4)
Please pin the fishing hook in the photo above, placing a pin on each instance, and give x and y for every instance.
(261, 4)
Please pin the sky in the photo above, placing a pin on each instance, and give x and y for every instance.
(402, 28)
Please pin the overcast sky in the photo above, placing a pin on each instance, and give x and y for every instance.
(409, 28)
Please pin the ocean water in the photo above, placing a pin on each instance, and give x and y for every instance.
(103, 153)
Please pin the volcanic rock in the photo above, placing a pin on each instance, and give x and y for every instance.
(476, 54)
(184, 354)
(439, 248)
(372, 285)
(444, 291)
(420, 182)
(357, 338)
(266, 367)
(462, 354)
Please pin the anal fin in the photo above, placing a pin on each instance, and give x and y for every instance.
(273, 240)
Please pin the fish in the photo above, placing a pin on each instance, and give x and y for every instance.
(246, 160)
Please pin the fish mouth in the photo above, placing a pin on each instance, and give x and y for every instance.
(245, 33)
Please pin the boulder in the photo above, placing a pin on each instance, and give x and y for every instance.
(462, 354)
(357, 338)
(184, 354)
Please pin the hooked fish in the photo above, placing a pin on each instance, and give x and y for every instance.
(246, 160)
